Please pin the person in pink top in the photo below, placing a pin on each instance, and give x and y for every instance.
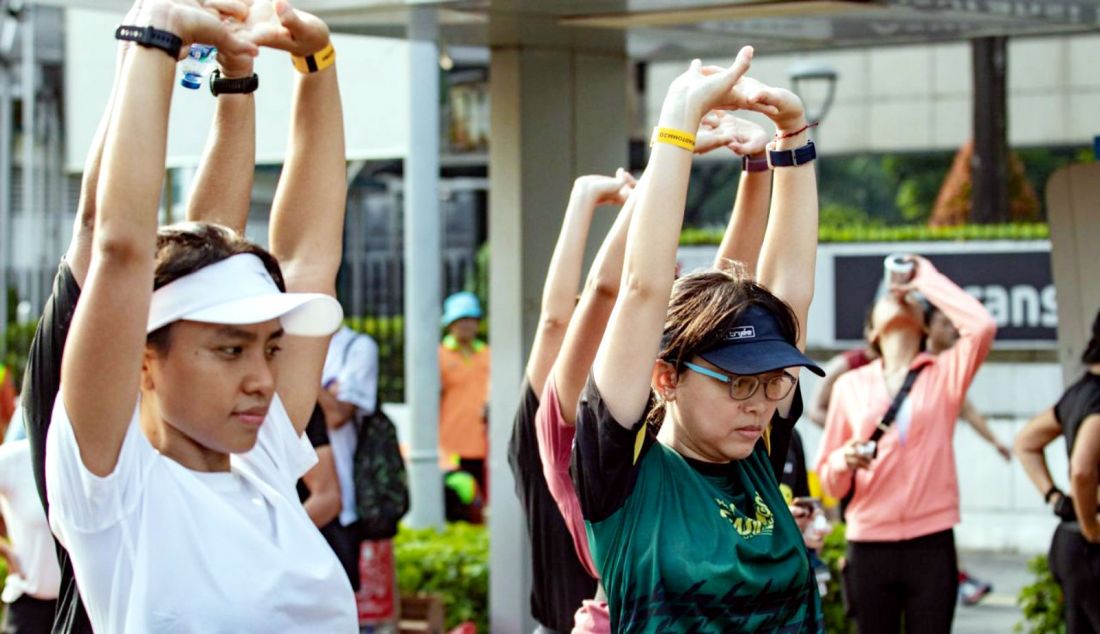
(555, 419)
(901, 563)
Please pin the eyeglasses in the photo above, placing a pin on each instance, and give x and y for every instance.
(742, 388)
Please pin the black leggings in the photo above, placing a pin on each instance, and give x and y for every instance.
(916, 580)
(1075, 564)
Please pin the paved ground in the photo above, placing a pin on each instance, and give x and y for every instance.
(997, 613)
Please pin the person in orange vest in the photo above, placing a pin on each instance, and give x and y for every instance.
(464, 388)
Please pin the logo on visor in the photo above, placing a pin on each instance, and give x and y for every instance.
(741, 332)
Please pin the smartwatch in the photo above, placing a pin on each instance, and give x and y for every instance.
(793, 158)
(149, 37)
(238, 86)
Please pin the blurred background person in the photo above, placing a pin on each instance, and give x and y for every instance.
(30, 591)
(903, 489)
(349, 394)
(464, 388)
(1075, 550)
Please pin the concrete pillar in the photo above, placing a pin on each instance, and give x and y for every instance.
(559, 110)
(1073, 210)
(5, 198)
(422, 272)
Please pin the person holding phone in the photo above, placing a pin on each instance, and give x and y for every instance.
(904, 495)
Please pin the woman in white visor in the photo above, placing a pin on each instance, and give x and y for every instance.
(177, 441)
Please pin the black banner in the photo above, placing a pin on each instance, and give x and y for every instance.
(1016, 287)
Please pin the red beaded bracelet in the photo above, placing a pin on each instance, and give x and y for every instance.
(796, 132)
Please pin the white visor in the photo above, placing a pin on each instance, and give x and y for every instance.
(239, 290)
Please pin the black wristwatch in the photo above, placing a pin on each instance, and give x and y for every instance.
(793, 158)
(1050, 493)
(149, 37)
(238, 86)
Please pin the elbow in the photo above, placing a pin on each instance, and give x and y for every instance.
(1082, 476)
(122, 250)
(603, 286)
(552, 324)
(640, 289)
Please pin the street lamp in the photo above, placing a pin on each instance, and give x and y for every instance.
(814, 79)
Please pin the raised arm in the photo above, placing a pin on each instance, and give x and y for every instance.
(788, 257)
(1084, 476)
(307, 217)
(974, 323)
(222, 192)
(559, 292)
(749, 218)
(103, 357)
(586, 329)
(79, 253)
(624, 362)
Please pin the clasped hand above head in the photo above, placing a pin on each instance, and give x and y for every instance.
(236, 27)
(703, 89)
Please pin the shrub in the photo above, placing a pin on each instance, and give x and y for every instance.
(452, 564)
(832, 604)
(1041, 601)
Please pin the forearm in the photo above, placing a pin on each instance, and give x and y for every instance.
(323, 507)
(965, 312)
(789, 256)
(749, 219)
(1035, 466)
(222, 192)
(307, 222)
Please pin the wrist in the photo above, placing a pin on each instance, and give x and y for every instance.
(235, 73)
(794, 140)
(678, 113)
(161, 16)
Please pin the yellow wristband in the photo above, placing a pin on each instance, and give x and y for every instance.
(678, 138)
(320, 60)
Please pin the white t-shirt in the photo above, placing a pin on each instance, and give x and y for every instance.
(158, 548)
(352, 361)
(27, 528)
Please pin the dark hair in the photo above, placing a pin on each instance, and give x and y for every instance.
(706, 304)
(1091, 355)
(187, 247)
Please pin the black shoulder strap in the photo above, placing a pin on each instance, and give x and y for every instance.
(899, 398)
(887, 420)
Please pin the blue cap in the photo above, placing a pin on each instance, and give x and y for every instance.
(754, 345)
(463, 305)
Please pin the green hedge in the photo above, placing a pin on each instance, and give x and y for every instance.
(897, 233)
(452, 564)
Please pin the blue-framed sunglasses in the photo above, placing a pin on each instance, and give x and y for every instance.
(742, 387)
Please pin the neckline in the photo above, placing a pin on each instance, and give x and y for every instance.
(703, 467)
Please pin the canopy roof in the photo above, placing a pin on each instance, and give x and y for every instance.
(679, 29)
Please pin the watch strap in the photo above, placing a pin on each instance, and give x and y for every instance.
(233, 86)
(793, 158)
(150, 37)
(750, 164)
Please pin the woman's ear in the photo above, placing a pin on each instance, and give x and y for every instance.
(664, 380)
(147, 360)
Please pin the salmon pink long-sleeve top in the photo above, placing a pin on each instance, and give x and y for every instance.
(911, 489)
